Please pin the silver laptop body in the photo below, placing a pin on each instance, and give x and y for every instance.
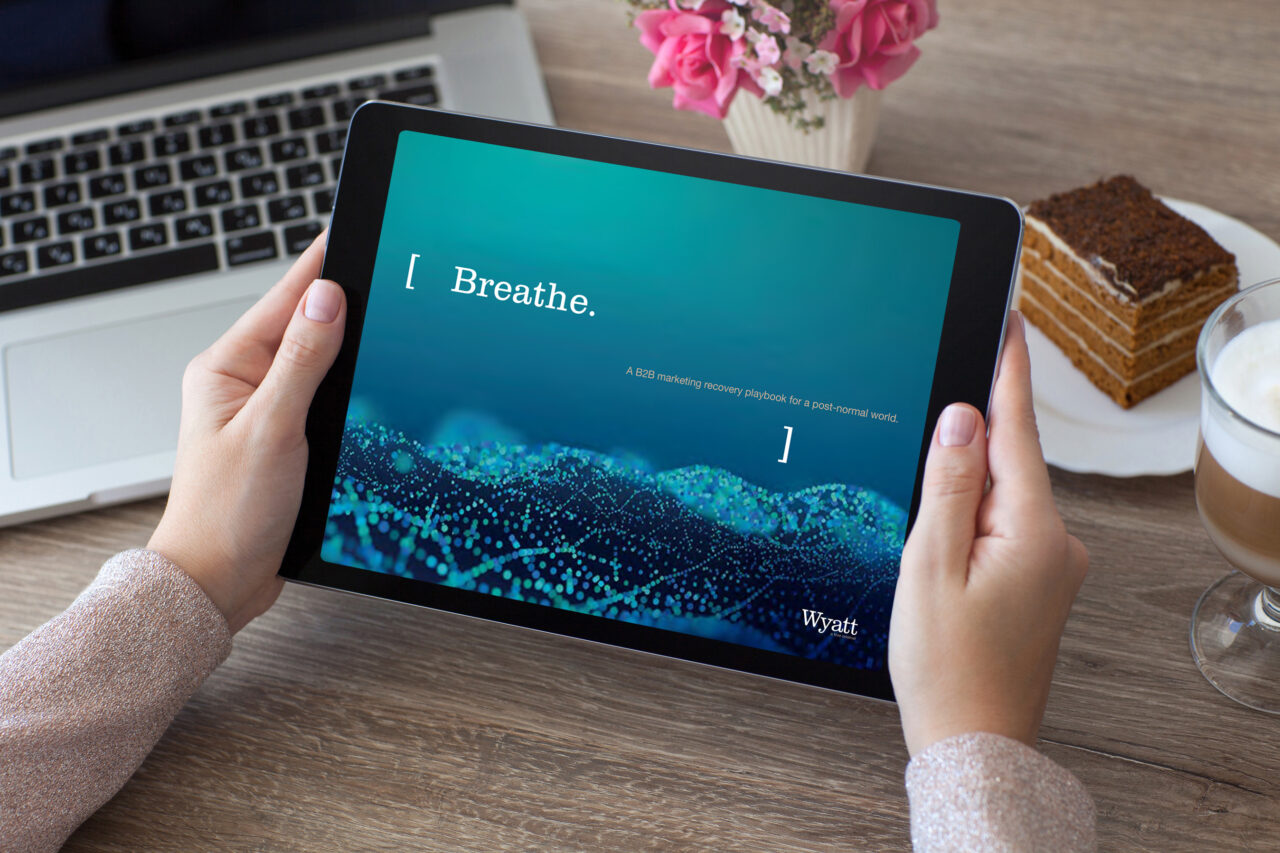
(234, 175)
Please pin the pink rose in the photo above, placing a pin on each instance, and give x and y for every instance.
(874, 40)
(693, 56)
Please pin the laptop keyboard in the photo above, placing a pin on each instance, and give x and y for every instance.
(199, 189)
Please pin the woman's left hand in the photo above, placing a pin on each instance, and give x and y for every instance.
(242, 446)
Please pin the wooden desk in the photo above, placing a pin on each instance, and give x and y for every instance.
(342, 724)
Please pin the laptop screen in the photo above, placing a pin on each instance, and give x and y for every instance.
(54, 52)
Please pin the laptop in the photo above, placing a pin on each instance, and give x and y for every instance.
(160, 165)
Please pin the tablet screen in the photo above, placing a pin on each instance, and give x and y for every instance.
(676, 402)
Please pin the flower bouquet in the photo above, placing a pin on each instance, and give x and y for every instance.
(812, 69)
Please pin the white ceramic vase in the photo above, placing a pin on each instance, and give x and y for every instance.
(843, 143)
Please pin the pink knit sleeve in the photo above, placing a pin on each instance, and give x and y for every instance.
(85, 697)
(985, 792)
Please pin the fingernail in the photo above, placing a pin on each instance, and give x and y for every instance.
(324, 298)
(956, 426)
(1018, 318)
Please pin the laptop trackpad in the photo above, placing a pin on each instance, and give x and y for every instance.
(105, 394)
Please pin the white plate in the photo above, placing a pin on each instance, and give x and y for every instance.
(1083, 430)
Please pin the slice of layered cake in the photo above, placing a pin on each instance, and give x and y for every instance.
(1122, 284)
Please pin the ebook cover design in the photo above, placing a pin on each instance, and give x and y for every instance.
(640, 396)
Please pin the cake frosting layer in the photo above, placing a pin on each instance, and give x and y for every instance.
(1128, 364)
(1192, 306)
(1126, 392)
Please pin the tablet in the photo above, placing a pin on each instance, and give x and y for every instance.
(658, 398)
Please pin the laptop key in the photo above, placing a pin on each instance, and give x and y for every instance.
(422, 96)
(405, 75)
(193, 227)
(367, 81)
(234, 108)
(133, 128)
(242, 217)
(251, 247)
(120, 212)
(262, 183)
(285, 209)
(108, 275)
(16, 204)
(248, 157)
(8, 152)
(14, 263)
(344, 108)
(60, 194)
(328, 90)
(330, 141)
(298, 237)
(44, 146)
(217, 134)
(148, 177)
(36, 170)
(289, 149)
(107, 185)
(126, 151)
(148, 236)
(75, 221)
(55, 255)
(256, 127)
(324, 200)
(198, 168)
(218, 192)
(179, 119)
(6, 177)
(304, 175)
(101, 245)
(172, 144)
(306, 117)
(280, 99)
(89, 137)
(165, 203)
(30, 230)
(82, 161)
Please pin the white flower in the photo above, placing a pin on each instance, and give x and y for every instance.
(799, 48)
(754, 36)
(695, 5)
(796, 53)
(822, 62)
(770, 80)
(732, 24)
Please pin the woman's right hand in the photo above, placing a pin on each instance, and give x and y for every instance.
(988, 576)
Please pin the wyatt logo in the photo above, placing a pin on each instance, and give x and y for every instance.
(816, 619)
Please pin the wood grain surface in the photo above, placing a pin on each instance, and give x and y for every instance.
(342, 723)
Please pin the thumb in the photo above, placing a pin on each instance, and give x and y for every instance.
(306, 352)
(955, 478)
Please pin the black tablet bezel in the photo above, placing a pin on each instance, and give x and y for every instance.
(972, 333)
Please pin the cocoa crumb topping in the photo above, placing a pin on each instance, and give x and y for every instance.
(1129, 235)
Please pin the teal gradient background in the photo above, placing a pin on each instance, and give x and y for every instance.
(821, 299)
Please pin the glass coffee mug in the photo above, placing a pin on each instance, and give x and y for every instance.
(1235, 630)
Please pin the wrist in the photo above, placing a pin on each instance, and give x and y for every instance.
(920, 735)
(177, 554)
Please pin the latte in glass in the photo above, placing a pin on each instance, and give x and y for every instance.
(1238, 464)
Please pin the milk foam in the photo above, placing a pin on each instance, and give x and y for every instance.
(1246, 374)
